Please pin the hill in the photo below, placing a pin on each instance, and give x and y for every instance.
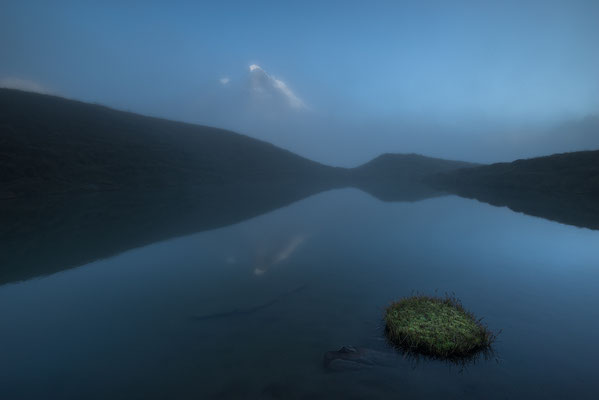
(402, 177)
(81, 182)
(567, 173)
(560, 187)
(50, 144)
(407, 167)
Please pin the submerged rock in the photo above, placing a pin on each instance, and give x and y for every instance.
(350, 358)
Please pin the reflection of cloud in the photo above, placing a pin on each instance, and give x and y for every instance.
(289, 249)
(22, 84)
(281, 255)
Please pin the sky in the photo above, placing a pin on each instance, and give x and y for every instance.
(336, 81)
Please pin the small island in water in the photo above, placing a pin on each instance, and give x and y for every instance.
(436, 326)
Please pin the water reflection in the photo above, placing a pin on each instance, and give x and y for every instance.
(42, 236)
(187, 318)
(267, 258)
(576, 209)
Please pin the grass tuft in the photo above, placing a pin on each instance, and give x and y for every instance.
(436, 326)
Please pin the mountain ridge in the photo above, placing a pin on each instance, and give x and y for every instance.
(52, 145)
(561, 187)
(565, 173)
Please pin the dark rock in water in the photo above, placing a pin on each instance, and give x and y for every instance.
(350, 358)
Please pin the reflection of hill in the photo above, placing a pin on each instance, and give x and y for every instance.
(398, 191)
(572, 209)
(44, 236)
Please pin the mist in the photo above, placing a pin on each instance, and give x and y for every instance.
(332, 199)
(339, 83)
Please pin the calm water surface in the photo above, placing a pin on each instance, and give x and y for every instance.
(248, 310)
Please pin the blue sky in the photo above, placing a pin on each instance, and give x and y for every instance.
(383, 62)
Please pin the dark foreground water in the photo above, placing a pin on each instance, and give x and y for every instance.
(248, 310)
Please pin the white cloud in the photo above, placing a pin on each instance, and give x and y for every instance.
(22, 84)
(224, 80)
(294, 101)
(280, 86)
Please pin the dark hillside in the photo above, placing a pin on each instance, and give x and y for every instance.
(561, 187)
(54, 145)
(402, 177)
(567, 173)
(407, 167)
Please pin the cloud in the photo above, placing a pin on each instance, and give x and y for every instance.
(294, 101)
(22, 84)
(224, 80)
(265, 82)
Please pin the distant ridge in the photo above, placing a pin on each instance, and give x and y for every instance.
(575, 173)
(50, 144)
(80, 182)
(200, 178)
(410, 167)
(560, 187)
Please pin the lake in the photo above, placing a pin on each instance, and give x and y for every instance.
(247, 306)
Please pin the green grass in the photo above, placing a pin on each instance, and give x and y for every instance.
(439, 327)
